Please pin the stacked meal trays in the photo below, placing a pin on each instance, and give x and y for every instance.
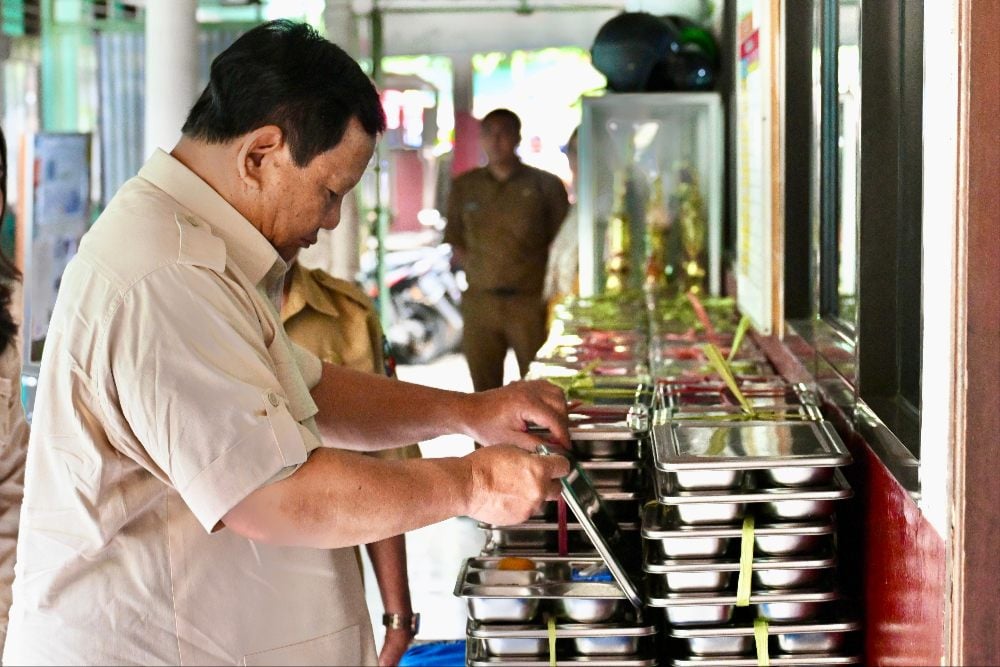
(548, 609)
(739, 546)
(607, 441)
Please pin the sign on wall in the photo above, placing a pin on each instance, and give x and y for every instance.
(758, 165)
(54, 216)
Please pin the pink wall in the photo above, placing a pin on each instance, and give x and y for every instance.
(466, 143)
(407, 190)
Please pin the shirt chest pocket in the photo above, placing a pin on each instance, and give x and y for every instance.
(528, 219)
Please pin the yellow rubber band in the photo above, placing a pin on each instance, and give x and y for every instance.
(552, 641)
(746, 563)
(741, 332)
(722, 368)
(760, 639)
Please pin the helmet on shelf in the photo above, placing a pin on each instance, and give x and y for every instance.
(639, 52)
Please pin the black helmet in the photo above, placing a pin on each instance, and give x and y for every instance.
(628, 47)
(639, 52)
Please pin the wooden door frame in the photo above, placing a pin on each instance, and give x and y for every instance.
(974, 625)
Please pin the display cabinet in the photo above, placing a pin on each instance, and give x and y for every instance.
(650, 192)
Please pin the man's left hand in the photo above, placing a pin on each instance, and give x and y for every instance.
(397, 640)
(502, 416)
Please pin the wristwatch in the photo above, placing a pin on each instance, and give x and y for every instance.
(400, 621)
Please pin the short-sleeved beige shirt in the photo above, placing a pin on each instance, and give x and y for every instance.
(168, 393)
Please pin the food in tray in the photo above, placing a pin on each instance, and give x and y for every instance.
(515, 563)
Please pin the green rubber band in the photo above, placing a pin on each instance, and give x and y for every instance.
(760, 639)
(552, 641)
(746, 563)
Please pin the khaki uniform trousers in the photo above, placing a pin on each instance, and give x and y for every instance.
(495, 321)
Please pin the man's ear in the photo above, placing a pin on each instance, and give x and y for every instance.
(258, 150)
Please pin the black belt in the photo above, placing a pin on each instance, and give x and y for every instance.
(504, 291)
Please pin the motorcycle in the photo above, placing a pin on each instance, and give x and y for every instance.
(424, 296)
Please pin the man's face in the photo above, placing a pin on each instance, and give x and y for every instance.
(499, 140)
(296, 202)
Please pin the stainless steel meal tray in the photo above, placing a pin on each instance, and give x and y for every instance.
(728, 506)
(803, 660)
(603, 439)
(623, 505)
(516, 596)
(605, 431)
(717, 575)
(723, 414)
(474, 657)
(821, 637)
(562, 630)
(586, 639)
(749, 445)
(775, 605)
(552, 580)
(779, 539)
(598, 522)
(543, 535)
(534, 525)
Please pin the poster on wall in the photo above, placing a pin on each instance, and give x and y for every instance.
(757, 237)
(55, 215)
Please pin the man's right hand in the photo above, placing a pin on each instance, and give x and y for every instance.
(509, 485)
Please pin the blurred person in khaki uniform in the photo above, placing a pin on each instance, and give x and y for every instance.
(13, 426)
(502, 218)
(335, 320)
(188, 499)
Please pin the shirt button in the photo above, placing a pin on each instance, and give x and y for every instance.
(273, 398)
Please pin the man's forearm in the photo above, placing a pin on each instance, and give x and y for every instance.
(366, 412)
(388, 559)
(340, 498)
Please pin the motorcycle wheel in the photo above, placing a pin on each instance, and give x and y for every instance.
(435, 338)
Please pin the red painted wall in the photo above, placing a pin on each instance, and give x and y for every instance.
(891, 559)
(901, 566)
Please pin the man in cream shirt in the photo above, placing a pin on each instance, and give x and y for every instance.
(183, 502)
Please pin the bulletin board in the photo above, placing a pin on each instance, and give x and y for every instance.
(55, 213)
(759, 166)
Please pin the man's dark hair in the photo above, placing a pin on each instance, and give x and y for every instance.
(285, 74)
(8, 274)
(504, 116)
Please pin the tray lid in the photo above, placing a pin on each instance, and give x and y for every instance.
(746, 445)
(601, 527)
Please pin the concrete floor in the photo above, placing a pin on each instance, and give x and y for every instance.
(435, 553)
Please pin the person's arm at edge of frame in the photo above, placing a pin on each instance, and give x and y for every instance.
(339, 498)
(364, 412)
(388, 558)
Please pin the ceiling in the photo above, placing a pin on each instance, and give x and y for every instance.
(475, 26)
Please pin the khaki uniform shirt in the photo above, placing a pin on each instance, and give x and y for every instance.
(335, 320)
(168, 393)
(13, 446)
(505, 227)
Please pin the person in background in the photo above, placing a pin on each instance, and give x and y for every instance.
(335, 320)
(188, 496)
(501, 220)
(562, 276)
(13, 426)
